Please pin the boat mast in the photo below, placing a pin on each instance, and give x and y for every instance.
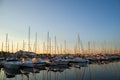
(17, 46)
(12, 46)
(29, 39)
(43, 47)
(50, 46)
(94, 50)
(2, 50)
(75, 49)
(89, 52)
(79, 45)
(105, 47)
(8, 46)
(58, 49)
(6, 41)
(61, 48)
(55, 44)
(35, 43)
(65, 46)
(82, 49)
(48, 43)
(23, 45)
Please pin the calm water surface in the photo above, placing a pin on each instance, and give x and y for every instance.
(109, 71)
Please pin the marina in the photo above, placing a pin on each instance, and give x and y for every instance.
(95, 71)
(61, 67)
(59, 40)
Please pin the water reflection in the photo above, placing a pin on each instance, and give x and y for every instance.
(96, 71)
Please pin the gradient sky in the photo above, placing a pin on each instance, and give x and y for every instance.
(96, 20)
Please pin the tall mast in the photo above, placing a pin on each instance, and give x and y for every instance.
(6, 41)
(75, 49)
(61, 48)
(50, 45)
(17, 46)
(35, 42)
(89, 52)
(104, 47)
(65, 46)
(94, 50)
(2, 50)
(55, 44)
(47, 42)
(8, 46)
(82, 49)
(23, 45)
(29, 39)
(79, 44)
(57, 49)
(12, 46)
(38, 51)
(43, 47)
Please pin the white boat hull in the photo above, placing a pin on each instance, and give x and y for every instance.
(12, 65)
(61, 62)
(27, 65)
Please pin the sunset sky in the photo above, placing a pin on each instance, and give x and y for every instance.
(94, 20)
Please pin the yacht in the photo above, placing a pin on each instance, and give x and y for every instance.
(27, 63)
(12, 64)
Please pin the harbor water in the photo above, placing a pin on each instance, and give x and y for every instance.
(95, 71)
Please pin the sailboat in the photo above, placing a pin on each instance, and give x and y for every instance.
(10, 63)
(2, 59)
(10, 72)
(79, 59)
(28, 62)
(39, 63)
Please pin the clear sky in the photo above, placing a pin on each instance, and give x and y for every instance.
(96, 20)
